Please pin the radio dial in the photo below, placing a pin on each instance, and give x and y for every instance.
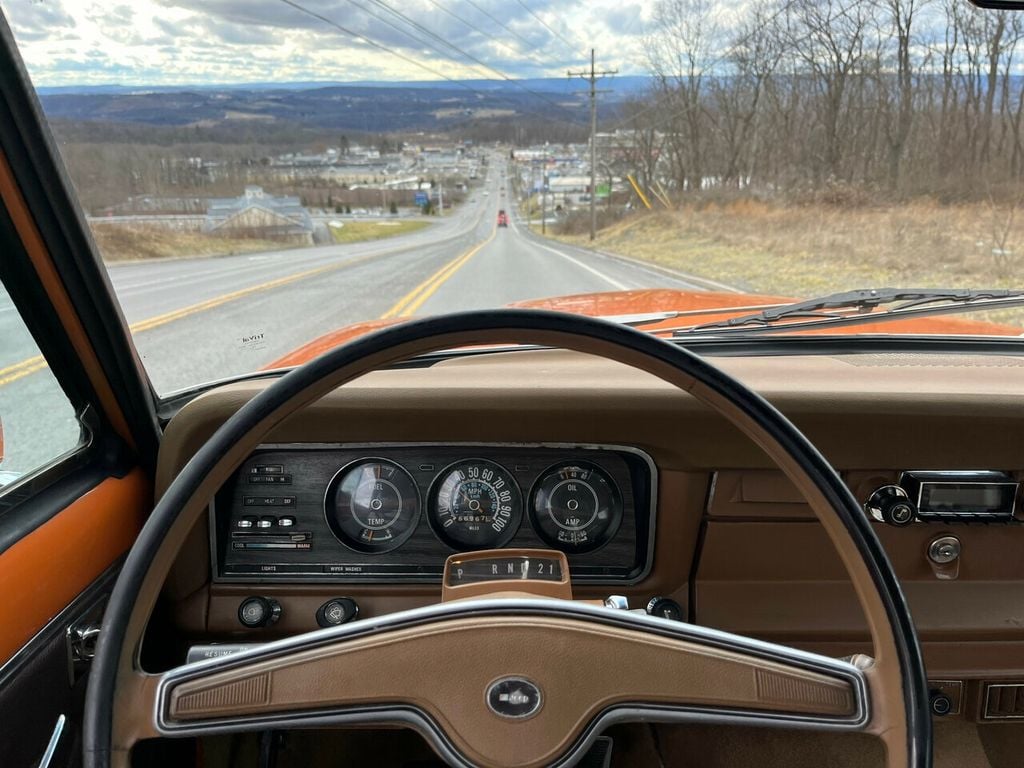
(890, 504)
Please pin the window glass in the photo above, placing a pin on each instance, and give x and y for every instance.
(38, 421)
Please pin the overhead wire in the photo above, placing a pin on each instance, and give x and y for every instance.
(486, 34)
(424, 30)
(364, 39)
(572, 46)
(499, 22)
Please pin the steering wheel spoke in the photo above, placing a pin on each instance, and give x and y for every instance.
(433, 669)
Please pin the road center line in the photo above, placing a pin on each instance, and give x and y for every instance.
(30, 365)
(432, 289)
(414, 299)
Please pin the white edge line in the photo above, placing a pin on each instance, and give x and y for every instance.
(612, 282)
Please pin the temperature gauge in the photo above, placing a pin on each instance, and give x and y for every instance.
(372, 506)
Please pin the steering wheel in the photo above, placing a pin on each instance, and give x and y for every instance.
(640, 668)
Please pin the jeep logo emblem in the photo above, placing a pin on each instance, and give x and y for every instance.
(513, 697)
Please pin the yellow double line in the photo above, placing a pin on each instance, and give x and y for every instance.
(19, 370)
(414, 299)
(30, 365)
(177, 314)
(404, 308)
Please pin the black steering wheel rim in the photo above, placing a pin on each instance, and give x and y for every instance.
(97, 726)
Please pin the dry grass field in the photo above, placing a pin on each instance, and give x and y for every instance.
(120, 243)
(804, 251)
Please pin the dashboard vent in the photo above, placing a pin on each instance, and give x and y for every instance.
(1004, 701)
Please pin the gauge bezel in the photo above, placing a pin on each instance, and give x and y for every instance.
(397, 541)
(535, 514)
(503, 537)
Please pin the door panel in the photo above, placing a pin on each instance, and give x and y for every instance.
(38, 685)
(43, 572)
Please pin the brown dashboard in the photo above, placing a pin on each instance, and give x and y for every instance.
(729, 538)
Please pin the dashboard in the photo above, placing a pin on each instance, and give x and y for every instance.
(707, 521)
(386, 513)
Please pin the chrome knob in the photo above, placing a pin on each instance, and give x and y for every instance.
(943, 550)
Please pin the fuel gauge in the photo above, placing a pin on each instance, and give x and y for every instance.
(372, 506)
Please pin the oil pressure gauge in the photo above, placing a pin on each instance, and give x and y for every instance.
(575, 508)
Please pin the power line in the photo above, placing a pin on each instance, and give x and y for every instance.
(361, 38)
(486, 34)
(405, 32)
(500, 23)
(419, 27)
(572, 46)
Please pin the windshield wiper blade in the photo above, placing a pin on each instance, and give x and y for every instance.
(861, 304)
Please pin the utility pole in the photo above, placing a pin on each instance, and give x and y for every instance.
(543, 202)
(593, 76)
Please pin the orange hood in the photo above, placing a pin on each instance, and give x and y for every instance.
(701, 306)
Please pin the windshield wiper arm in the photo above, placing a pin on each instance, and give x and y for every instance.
(862, 302)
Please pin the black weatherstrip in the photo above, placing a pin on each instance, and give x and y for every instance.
(32, 154)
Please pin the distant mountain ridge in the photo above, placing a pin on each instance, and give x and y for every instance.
(363, 107)
(625, 84)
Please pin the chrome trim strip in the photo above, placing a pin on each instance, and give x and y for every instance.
(53, 743)
(652, 510)
(420, 721)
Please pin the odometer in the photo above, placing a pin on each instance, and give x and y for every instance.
(475, 504)
(372, 506)
(576, 508)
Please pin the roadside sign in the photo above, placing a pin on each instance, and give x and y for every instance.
(421, 198)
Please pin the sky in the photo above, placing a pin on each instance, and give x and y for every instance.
(170, 42)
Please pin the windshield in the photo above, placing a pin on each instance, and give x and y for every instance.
(258, 177)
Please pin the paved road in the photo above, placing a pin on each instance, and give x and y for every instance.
(196, 320)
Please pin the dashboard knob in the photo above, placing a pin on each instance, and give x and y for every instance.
(337, 611)
(665, 608)
(939, 703)
(256, 612)
(890, 504)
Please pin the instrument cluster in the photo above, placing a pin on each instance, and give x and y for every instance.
(396, 512)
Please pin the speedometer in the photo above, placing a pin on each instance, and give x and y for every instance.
(475, 504)
(576, 508)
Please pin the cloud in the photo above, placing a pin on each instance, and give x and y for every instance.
(162, 42)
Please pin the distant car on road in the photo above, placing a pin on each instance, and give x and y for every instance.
(502, 218)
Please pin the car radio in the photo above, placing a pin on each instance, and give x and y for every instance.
(947, 496)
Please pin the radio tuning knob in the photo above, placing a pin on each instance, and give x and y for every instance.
(890, 504)
(665, 608)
